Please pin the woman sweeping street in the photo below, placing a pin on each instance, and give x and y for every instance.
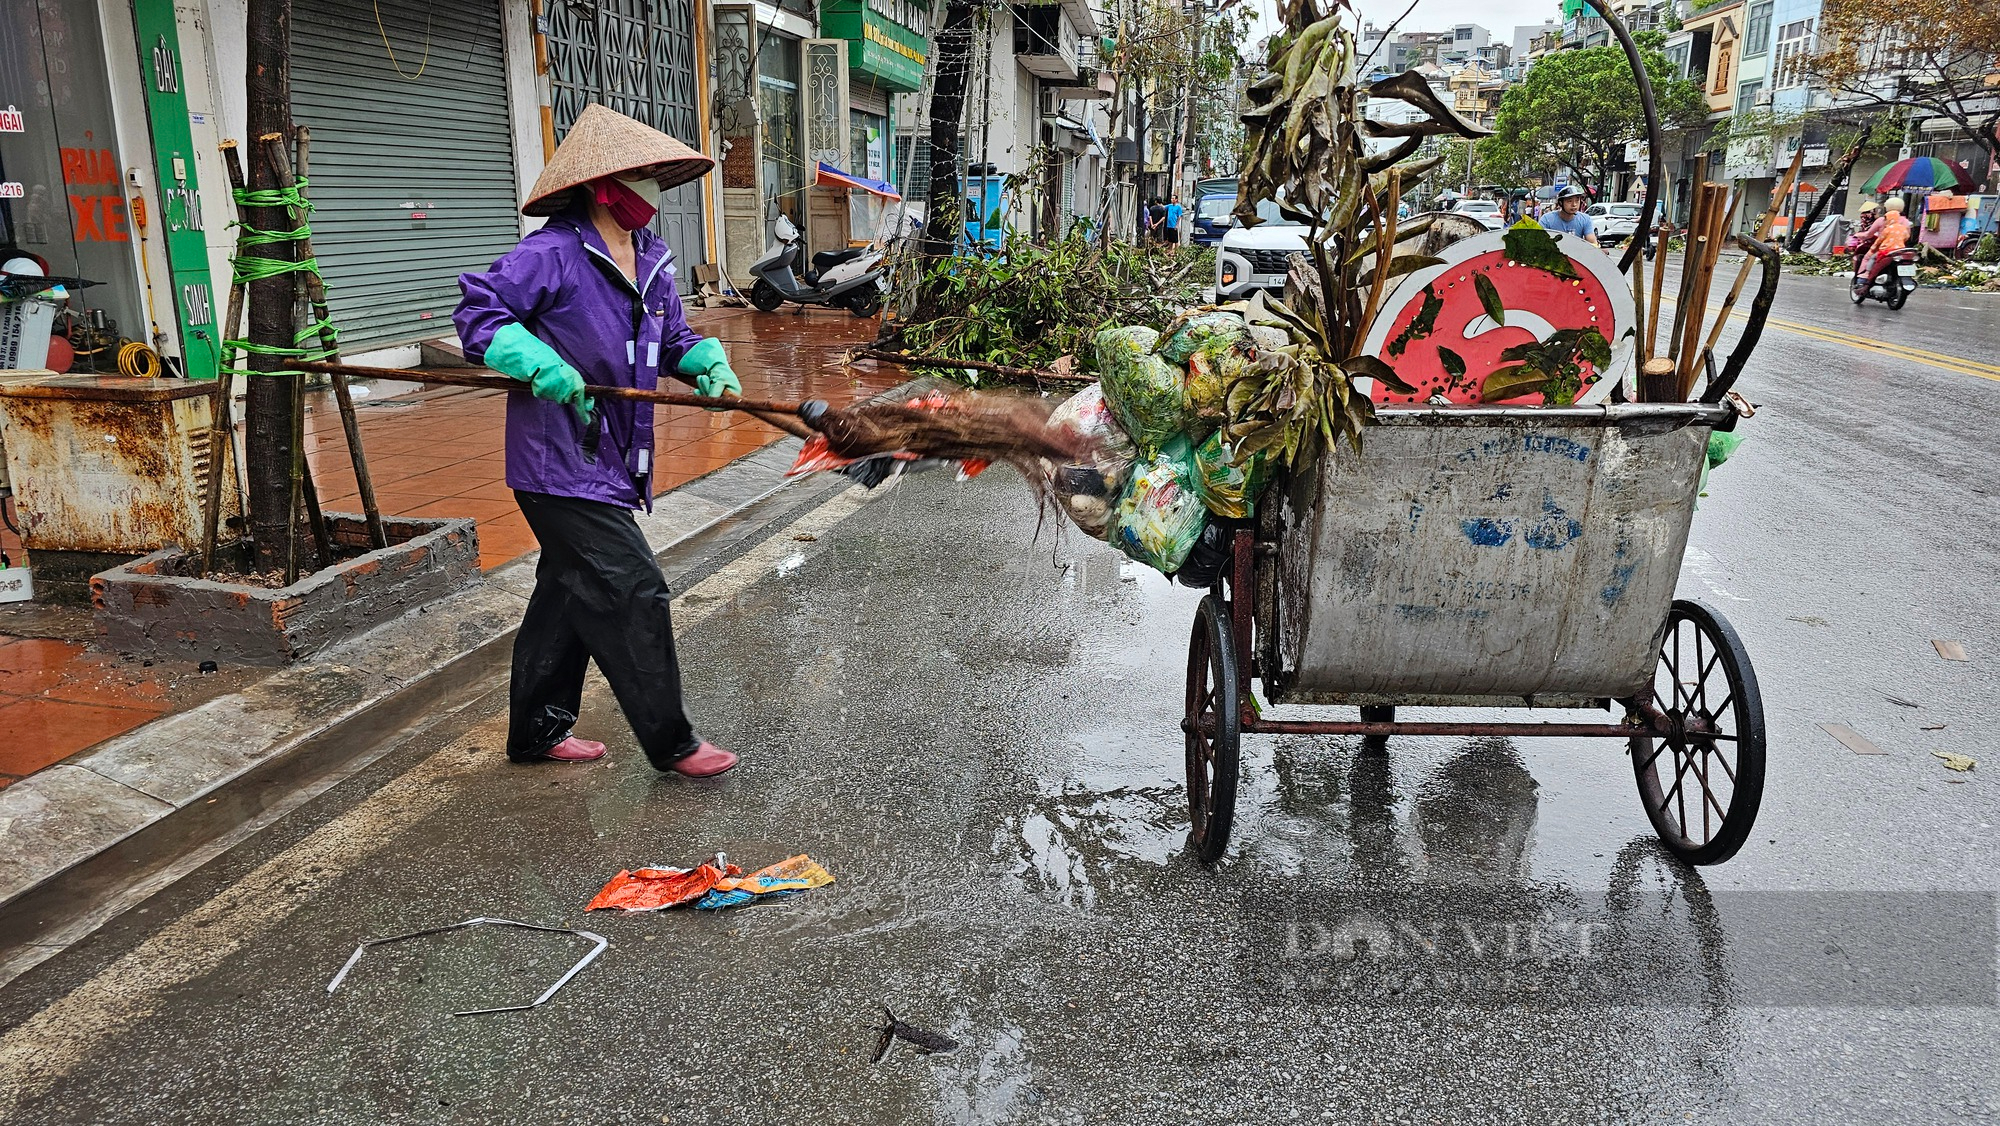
(590, 298)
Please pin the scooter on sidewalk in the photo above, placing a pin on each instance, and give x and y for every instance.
(843, 279)
(1894, 278)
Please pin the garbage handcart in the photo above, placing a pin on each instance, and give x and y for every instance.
(1489, 557)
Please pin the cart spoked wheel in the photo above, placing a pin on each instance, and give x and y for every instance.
(1213, 724)
(1701, 769)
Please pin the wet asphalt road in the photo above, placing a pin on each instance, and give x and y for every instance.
(976, 730)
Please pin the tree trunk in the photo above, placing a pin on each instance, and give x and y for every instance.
(1799, 230)
(268, 425)
(943, 216)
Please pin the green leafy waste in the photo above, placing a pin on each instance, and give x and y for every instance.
(1553, 367)
(1530, 245)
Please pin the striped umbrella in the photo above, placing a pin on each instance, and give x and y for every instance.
(1918, 172)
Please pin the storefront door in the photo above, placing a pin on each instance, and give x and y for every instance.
(637, 57)
(64, 201)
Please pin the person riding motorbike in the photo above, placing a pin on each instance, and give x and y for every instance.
(1569, 216)
(1889, 233)
(1857, 243)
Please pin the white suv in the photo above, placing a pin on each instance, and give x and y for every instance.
(1484, 210)
(1250, 258)
(1615, 222)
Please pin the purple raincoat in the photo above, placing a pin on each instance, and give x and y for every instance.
(561, 284)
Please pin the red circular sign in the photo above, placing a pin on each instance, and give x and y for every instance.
(1535, 302)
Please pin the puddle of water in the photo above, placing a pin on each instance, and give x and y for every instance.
(983, 1082)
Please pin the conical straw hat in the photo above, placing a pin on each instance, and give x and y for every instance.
(604, 142)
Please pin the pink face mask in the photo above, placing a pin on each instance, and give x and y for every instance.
(628, 209)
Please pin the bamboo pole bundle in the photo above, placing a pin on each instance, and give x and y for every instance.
(1763, 234)
(1693, 362)
(1704, 230)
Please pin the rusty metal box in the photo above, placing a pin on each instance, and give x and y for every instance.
(106, 463)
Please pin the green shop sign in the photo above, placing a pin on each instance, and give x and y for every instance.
(179, 192)
(878, 45)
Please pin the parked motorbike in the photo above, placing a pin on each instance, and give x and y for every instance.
(852, 279)
(1895, 278)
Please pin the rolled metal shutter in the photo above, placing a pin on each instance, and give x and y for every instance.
(412, 174)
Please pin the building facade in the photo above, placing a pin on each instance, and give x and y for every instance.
(427, 125)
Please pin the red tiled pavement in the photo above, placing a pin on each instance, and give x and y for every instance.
(436, 452)
(56, 698)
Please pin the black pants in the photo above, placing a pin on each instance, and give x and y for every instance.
(599, 596)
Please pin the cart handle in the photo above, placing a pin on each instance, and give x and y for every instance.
(1656, 164)
(1760, 311)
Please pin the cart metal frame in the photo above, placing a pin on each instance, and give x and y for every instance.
(1696, 738)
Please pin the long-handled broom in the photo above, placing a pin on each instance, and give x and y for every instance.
(986, 426)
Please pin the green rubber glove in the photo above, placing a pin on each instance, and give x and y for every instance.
(521, 354)
(710, 368)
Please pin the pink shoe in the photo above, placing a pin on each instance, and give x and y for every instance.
(574, 749)
(707, 761)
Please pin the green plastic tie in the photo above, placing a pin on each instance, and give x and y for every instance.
(308, 343)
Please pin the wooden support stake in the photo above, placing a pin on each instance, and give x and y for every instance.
(221, 424)
(1659, 284)
(315, 288)
(1696, 362)
(1656, 381)
(1690, 254)
(1701, 274)
(1639, 310)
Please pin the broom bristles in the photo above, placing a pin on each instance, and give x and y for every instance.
(975, 427)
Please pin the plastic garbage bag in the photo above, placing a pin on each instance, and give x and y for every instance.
(1160, 515)
(1197, 331)
(1088, 490)
(786, 877)
(1144, 390)
(1721, 444)
(655, 889)
(1211, 368)
(1228, 482)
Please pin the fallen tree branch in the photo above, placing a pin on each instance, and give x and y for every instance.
(907, 360)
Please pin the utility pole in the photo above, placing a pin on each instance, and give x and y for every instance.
(1139, 136)
(268, 426)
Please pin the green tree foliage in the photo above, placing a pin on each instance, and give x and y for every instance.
(1036, 300)
(1577, 109)
(1490, 165)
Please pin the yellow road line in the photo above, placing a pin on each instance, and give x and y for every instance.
(1894, 351)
